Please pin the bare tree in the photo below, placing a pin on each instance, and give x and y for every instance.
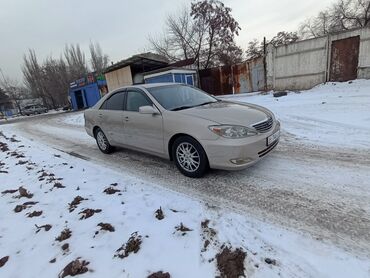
(342, 15)
(255, 47)
(76, 61)
(13, 90)
(33, 76)
(204, 32)
(98, 60)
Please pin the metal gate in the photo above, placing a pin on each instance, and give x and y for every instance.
(344, 59)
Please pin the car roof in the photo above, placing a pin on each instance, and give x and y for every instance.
(150, 85)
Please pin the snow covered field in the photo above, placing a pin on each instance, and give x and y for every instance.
(130, 205)
(113, 225)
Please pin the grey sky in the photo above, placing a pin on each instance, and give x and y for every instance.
(121, 26)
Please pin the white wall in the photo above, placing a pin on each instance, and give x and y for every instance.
(304, 64)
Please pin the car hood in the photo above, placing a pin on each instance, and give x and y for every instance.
(225, 112)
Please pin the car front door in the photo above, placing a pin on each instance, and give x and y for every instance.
(110, 118)
(142, 131)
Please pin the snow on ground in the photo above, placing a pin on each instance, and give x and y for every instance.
(76, 119)
(53, 179)
(332, 114)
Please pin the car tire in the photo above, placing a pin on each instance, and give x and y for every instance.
(102, 142)
(190, 157)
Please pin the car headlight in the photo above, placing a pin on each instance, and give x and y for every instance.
(232, 131)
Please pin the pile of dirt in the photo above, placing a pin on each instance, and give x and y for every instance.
(231, 263)
(3, 261)
(76, 201)
(16, 155)
(46, 227)
(106, 227)
(87, 213)
(24, 193)
(65, 234)
(182, 228)
(111, 190)
(159, 214)
(74, 268)
(21, 162)
(131, 246)
(34, 214)
(159, 274)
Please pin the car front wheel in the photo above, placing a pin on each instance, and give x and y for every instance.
(103, 142)
(190, 157)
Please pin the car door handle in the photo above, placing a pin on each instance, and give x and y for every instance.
(127, 119)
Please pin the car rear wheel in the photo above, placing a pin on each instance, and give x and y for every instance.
(103, 142)
(190, 157)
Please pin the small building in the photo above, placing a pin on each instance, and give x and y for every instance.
(130, 71)
(8, 107)
(87, 91)
(171, 74)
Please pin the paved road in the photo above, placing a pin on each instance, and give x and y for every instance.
(317, 190)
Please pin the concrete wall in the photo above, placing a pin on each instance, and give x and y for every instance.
(119, 78)
(304, 64)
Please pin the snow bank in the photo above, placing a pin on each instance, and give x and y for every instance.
(332, 114)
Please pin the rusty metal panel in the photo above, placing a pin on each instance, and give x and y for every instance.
(344, 59)
(244, 78)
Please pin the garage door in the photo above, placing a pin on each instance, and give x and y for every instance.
(344, 59)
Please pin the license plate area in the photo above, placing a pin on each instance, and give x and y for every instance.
(272, 138)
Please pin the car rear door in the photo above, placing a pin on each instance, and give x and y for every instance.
(110, 118)
(142, 131)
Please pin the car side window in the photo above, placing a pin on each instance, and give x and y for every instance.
(136, 99)
(115, 102)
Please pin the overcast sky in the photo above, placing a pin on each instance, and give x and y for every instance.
(121, 26)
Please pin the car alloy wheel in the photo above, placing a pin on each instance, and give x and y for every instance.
(188, 157)
(102, 141)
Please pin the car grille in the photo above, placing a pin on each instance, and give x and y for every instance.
(264, 126)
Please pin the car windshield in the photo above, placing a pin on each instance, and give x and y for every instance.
(178, 97)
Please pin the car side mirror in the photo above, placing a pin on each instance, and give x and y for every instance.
(148, 110)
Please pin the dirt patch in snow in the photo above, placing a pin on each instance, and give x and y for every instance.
(76, 201)
(24, 193)
(111, 190)
(65, 234)
(74, 268)
(4, 147)
(131, 246)
(87, 213)
(65, 246)
(46, 227)
(19, 208)
(270, 261)
(159, 274)
(159, 214)
(34, 214)
(9, 191)
(58, 185)
(106, 227)
(183, 229)
(3, 261)
(208, 234)
(231, 263)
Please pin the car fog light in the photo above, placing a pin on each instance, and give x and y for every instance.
(240, 161)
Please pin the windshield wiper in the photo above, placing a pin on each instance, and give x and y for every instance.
(181, 108)
(205, 103)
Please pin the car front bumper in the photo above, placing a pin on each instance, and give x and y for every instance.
(237, 154)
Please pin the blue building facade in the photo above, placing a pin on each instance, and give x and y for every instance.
(87, 91)
(185, 76)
